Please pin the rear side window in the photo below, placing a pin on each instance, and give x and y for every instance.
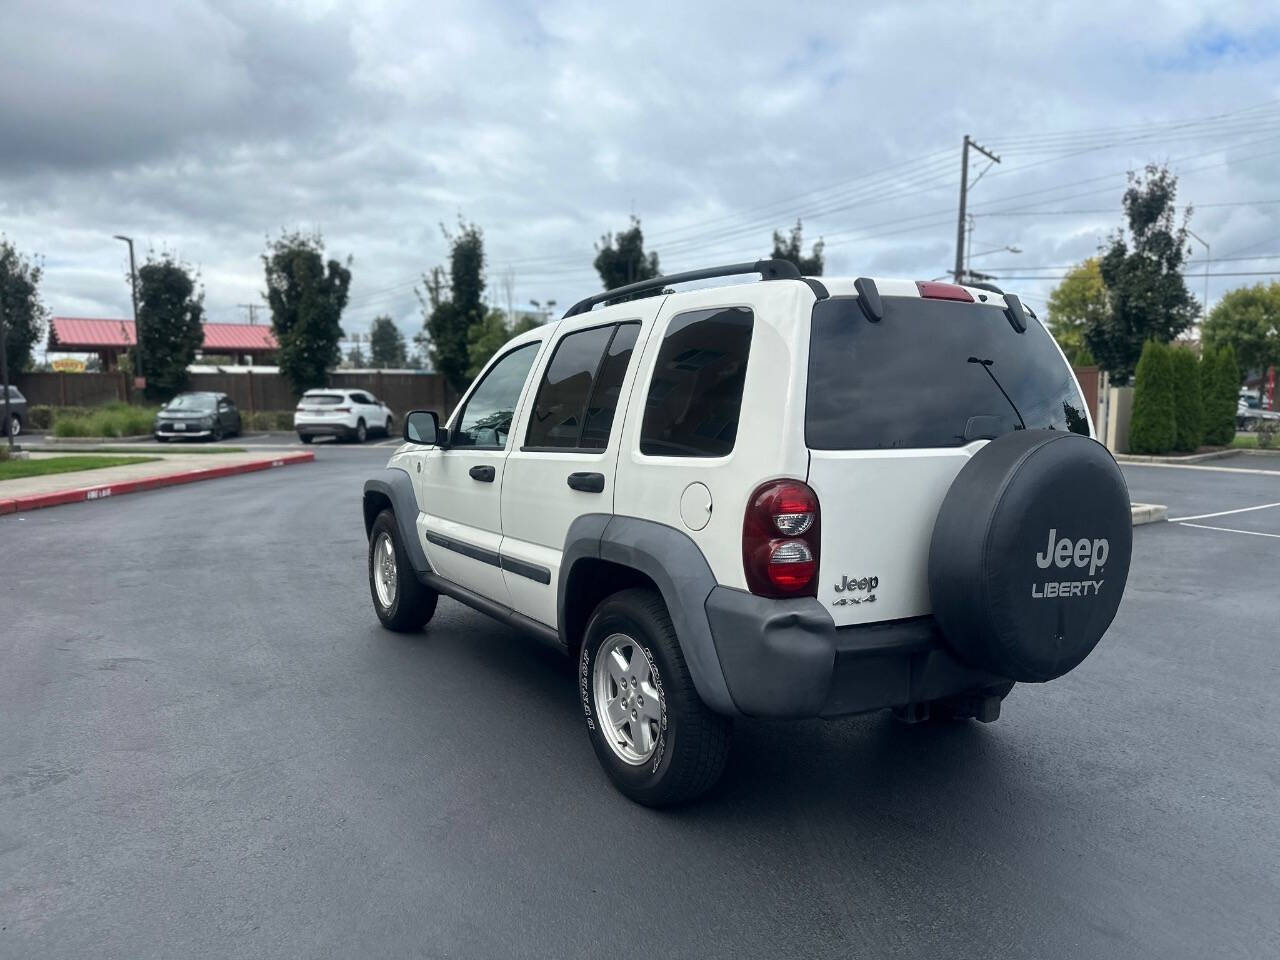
(932, 373)
(579, 391)
(696, 391)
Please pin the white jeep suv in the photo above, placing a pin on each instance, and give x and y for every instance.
(348, 414)
(788, 498)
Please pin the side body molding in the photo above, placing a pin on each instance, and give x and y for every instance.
(676, 565)
(396, 486)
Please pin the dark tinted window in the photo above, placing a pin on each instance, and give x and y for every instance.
(579, 390)
(932, 373)
(696, 391)
(608, 387)
(486, 419)
(561, 405)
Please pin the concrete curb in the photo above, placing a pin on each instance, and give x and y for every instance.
(76, 441)
(39, 500)
(1148, 513)
(1189, 458)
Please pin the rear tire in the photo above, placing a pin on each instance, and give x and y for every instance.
(305, 437)
(656, 739)
(402, 603)
(362, 432)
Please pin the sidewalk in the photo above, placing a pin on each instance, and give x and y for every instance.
(32, 493)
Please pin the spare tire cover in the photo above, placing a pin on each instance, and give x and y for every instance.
(1030, 554)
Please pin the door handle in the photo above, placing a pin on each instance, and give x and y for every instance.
(587, 482)
(483, 474)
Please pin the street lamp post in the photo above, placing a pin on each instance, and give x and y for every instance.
(133, 290)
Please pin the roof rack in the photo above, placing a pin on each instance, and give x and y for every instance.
(768, 270)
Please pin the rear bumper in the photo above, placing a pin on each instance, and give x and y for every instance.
(325, 429)
(787, 659)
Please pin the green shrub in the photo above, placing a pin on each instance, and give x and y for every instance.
(267, 420)
(1268, 434)
(1083, 358)
(40, 416)
(1220, 388)
(1154, 427)
(1188, 410)
(114, 420)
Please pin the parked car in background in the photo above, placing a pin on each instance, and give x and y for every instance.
(1249, 411)
(203, 416)
(17, 414)
(348, 414)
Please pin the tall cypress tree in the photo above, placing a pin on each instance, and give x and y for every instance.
(1188, 408)
(1154, 426)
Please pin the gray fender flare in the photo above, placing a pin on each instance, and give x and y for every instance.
(675, 563)
(397, 486)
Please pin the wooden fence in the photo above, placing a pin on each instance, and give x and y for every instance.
(251, 391)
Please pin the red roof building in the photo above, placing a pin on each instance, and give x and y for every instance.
(110, 338)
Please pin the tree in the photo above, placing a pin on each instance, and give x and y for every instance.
(23, 312)
(789, 248)
(386, 344)
(355, 358)
(1154, 427)
(484, 339)
(447, 320)
(306, 296)
(620, 259)
(170, 315)
(1247, 319)
(1077, 303)
(1188, 407)
(1142, 273)
(1220, 388)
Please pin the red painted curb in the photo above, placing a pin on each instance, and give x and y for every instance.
(36, 501)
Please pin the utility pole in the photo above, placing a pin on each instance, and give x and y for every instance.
(1208, 257)
(958, 273)
(253, 310)
(138, 372)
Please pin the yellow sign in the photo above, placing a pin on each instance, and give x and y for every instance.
(68, 365)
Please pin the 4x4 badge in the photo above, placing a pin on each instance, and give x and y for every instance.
(846, 585)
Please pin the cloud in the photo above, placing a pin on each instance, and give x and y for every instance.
(204, 127)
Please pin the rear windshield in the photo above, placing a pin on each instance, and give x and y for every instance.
(322, 399)
(932, 373)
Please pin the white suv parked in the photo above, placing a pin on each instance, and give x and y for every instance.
(792, 498)
(349, 414)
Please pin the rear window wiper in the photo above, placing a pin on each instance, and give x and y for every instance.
(986, 366)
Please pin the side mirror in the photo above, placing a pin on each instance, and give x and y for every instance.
(423, 427)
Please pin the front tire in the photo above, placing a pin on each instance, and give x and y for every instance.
(402, 603)
(656, 739)
(305, 437)
(15, 426)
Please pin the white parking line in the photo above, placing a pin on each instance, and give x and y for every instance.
(1223, 513)
(1252, 533)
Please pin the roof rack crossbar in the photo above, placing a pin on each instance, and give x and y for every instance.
(768, 270)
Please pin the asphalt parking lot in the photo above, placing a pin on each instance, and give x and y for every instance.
(210, 749)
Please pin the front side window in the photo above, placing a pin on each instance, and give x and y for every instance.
(696, 391)
(579, 392)
(485, 421)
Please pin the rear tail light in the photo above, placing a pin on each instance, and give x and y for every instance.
(780, 537)
(341, 409)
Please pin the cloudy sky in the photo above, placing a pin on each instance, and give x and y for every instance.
(204, 127)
